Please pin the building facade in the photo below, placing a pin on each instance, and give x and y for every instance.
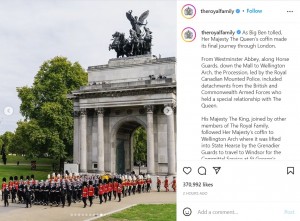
(121, 96)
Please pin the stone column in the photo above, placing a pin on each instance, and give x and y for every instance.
(150, 141)
(76, 148)
(171, 139)
(83, 150)
(100, 145)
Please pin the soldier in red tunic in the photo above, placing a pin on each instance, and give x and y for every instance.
(84, 193)
(174, 184)
(105, 190)
(148, 182)
(101, 191)
(115, 187)
(91, 192)
(10, 185)
(166, 184)
(158, 183)
(109, 189)
(134, 183)
(120, 188)
(129, 183)
(139, 184)
(3, 186)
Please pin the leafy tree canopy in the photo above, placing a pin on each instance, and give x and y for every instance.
(48, 125)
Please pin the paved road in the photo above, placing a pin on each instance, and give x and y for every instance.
(17, 212)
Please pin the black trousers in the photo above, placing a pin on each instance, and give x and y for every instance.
(6, 200)
(84, 201)
(46, 197)
(69, 199)
(148, 187)
(28, 201)
(13, 197)
(119, 196)
(63, 200)
(91, 200)
(129, 190)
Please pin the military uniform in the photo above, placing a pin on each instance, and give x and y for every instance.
(158, 183)
(174, 184)
(46, 192)
(115, 187)
(5, 196)
(63, 192)
(120, 188)
(21, 190)
(28, 194)
(69, 193)
(134, 183)
(100, 191)
(52, 193)
(91, 192)
(105, 190)
(84, 194)
(166, 184)
(3, 186)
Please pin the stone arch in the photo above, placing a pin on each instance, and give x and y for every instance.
(115, 141)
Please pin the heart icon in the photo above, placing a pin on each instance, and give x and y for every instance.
(187, 170)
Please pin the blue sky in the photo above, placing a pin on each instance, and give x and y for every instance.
(32, 32)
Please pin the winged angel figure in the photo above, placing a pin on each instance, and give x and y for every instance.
(136, 22)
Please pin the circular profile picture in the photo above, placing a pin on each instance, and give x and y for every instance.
(188, 34)
(188, 11)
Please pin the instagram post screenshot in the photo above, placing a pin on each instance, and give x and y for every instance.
(145, 110)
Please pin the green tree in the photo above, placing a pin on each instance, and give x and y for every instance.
(47, 111)
(140, 145)
(7, 139)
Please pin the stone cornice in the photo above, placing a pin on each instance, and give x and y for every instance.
(129, 92)
(150, 62)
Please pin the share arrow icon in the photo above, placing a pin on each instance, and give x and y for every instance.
(217, 169)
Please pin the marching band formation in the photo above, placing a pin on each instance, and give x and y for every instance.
(74, 188)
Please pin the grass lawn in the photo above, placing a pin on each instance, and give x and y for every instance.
(25, 170)
(155, 212)
(21, 159)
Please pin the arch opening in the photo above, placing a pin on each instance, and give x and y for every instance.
(126, 139)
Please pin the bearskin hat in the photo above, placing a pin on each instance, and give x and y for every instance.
(4, 179)
(90, 182)
(11, 178)
(27, 177)
(16, 178)
(32, 176)
(21, 177)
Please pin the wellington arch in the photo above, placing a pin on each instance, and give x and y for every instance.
(121, 96)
